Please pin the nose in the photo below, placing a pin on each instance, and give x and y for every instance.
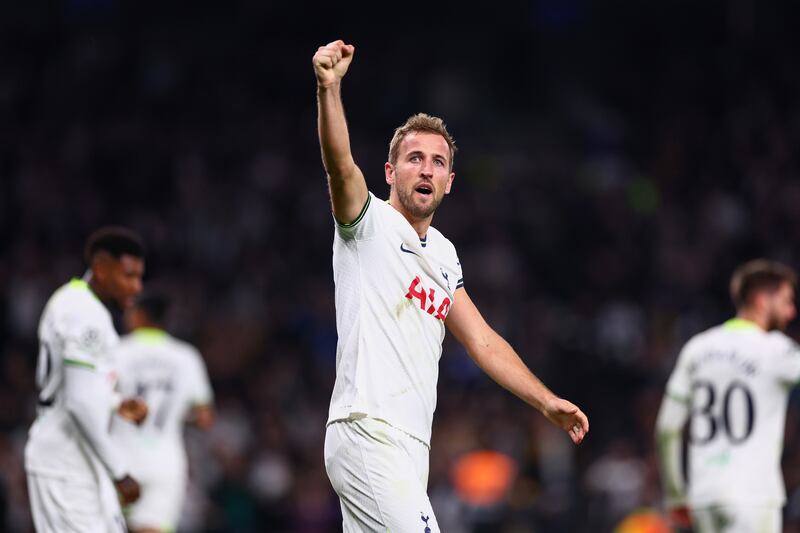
(427, 169)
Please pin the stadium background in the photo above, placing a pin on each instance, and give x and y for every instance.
(617, 160)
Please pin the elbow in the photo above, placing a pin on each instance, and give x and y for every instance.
(77, 406)
(203, 417)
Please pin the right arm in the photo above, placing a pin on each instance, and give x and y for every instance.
(87, 398)
(202, 416)
(672, 418)
(348, 189)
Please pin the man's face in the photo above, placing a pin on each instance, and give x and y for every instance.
(421, 176)
(120, 280)
(780, 307)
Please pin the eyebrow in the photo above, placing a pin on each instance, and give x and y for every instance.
(419, 152)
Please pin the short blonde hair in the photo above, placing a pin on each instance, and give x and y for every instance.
(424, 123)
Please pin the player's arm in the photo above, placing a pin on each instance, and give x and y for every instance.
(202, 416)
(672, 417)
(498, 359)
(88, 400)
(347, 186)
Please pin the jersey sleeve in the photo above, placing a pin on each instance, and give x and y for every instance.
(89, 400)
(364, 226)
(679, 384)
(788, 362)
(200, 391)
(84, 341)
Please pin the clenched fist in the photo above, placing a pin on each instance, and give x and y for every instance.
(133, 409)
(331, 62)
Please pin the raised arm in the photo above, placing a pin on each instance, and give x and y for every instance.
(347, 186)
(498, 359)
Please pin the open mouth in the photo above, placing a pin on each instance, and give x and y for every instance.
(424, 189)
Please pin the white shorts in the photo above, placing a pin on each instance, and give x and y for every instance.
(61, 506)
(737, 519)
(381, 475)
(158, 507)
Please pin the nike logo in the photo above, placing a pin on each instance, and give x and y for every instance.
(406, 250)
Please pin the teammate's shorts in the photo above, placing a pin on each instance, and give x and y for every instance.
(159, 506)
(381, 475)
(737, 519)
(61, 506)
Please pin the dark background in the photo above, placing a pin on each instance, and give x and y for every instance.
(616, 161)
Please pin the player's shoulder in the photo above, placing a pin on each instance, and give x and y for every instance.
(74, 302)
(437, 238)
(782, 342)
(712, 336)
(182, 349)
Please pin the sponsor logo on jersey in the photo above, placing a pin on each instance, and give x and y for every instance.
(427, 299)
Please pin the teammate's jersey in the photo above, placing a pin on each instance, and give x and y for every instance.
(171, 377)
(393, 292)
(736, 378)
(76, 330)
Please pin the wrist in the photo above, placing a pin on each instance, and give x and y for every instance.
(329, 86)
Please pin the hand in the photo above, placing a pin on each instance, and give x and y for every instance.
(133, 409)
(331, 62)
(128, 489)
(679, 517)
(568, 417)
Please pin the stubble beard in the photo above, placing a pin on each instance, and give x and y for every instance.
(421, 212)
(775, 322)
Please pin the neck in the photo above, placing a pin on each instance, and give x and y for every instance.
(753, 316)
(92, 282)
(148, 324)
(420, 225)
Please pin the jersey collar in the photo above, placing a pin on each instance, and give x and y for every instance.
(740, 324)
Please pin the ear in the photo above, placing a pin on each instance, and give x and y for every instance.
(388, 170)
(760, 299)
(449, 183)
(101, 261)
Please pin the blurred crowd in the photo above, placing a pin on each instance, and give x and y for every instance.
(615, 163)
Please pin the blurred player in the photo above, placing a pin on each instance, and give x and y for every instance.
(398, 283)
(70, 459)
(171, 376)
(733, 381)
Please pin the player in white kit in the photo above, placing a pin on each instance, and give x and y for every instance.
(74, 470)
(733, 382)
(171, 376)
(398, 284)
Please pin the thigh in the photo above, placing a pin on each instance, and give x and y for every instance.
(737, 519)
(60, 507)
(379, 477)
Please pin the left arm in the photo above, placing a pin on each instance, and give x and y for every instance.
(498, 359)
(202, 416)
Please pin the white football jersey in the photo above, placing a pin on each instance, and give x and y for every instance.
(75, 329)
(736, 378)
(393, 293)
(171, 377)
